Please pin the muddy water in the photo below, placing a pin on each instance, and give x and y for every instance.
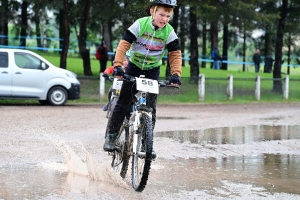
(255, 162)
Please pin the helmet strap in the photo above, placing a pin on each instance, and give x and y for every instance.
(154, 12)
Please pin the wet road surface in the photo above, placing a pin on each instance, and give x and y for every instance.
(43, 159)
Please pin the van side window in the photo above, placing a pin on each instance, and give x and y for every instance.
(3, 59)
(27, 61)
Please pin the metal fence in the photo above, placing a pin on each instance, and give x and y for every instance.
(206, 89)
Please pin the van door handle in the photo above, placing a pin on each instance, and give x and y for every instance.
(4, 72)
(18, 73)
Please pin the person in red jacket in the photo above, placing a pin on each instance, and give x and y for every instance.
(102, 50)
(110, 71)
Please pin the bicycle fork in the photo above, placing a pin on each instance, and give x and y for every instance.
(136, 124)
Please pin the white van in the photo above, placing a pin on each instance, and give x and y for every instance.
(26, 75)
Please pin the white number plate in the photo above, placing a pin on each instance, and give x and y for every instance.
(117, 84)
(147, 85)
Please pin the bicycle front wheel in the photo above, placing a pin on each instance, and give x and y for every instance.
(142, 159)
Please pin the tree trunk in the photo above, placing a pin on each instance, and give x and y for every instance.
(4, 23)
(225, 47)
(66, 36)
(277, 83)
(61, 29)
(38, 30)
(204, 38)
(194, 63)
(84, 52)
(289, 52)
(125, 17)
(106, 34)
(244, 47)
(24, 24)
(214, 36)
(268, 43)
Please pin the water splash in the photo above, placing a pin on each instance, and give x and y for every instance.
(80, 162)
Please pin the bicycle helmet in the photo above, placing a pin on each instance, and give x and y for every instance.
(169, 3)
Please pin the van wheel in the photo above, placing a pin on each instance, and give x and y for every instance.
(57, 96)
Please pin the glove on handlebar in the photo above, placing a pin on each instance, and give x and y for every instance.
(175, 79)
(105, 75)
(118, 71)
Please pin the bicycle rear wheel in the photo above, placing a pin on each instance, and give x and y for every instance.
(142, 159)
(110, 110)
(121, 155)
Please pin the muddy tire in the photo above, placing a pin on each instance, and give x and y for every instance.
(141, 160)
(120, 157)
(110, 110)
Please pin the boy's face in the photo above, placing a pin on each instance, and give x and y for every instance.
(161, 17)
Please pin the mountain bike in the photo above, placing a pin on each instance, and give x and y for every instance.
(135, 138)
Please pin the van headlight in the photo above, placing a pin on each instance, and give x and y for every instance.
(71, 74)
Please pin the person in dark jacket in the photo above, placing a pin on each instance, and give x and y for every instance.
(268, 64)
(102, 49)
(216, 57)
(256, 60)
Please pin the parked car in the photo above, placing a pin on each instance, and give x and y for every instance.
(26, 75)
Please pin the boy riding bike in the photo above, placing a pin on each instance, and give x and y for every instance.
(148, 38)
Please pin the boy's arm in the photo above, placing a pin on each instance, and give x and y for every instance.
(123, 47)
(175, 57)
(121, 52)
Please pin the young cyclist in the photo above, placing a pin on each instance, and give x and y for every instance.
(148, 38)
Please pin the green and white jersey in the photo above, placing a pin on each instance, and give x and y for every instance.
(150, 46)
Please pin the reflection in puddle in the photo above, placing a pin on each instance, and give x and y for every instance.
(234, 135)
(275, 173)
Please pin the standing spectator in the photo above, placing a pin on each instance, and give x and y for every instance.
(268, 64)
(216, 57)
(102, 50)
(256, 60)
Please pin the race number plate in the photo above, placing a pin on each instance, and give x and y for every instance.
(117, 84)
(147, 85)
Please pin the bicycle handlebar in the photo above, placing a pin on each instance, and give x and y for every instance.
(161, 83)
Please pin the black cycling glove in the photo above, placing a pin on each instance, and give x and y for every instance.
(118, 71)
(175, 79)
(105, 75)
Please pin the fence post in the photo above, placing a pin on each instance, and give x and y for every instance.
(257, 88)
(230, 87)
(286, 88)
(101, 86)
(201, 87)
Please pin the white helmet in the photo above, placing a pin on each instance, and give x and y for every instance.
(170, 3)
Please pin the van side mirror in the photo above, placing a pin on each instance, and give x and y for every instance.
(43, 66)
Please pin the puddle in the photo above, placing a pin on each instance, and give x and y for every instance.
(234, 135)
(253, 162)
(274, 173)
